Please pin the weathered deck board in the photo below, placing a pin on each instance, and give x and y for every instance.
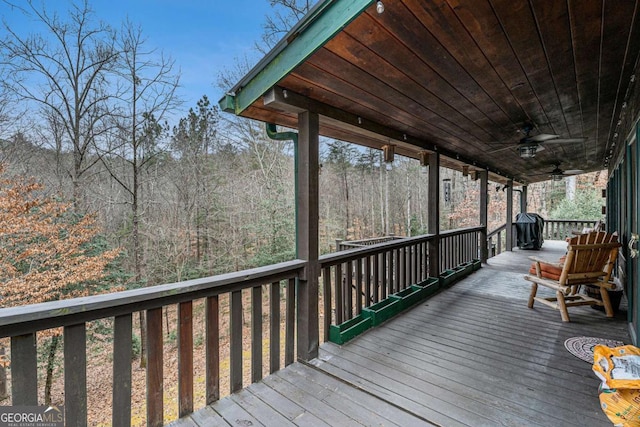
(482, 349)
(473, 355)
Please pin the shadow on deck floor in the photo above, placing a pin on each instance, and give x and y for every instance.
(473, 355)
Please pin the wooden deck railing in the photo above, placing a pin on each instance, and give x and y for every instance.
(351, 280)
(357, 278)
(22, 323)
(554, 229)
(343, 245)
(560, 229)
(496, 241)
(458, 246)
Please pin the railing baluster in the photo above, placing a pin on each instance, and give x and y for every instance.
(398, 269)
(75, 375)
(122, 355)
(326, 290)
(155, 385)
(274, 330)
(424, 263)
(415, 263)
(382, 266)
(358, 286)
(256, 334)
(235, 347)
(339, 297)
(212, 355)
(391, 271)
(185, 358)
(376, 278)
(401, 270)
(348, 288)
(24, 370)
(289, 346)
(367, 281)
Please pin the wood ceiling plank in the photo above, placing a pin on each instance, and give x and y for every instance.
(325, 68)
(407, 82)
(327, 96)
(440, 20)
(585, 26)
(400, 38)
(552, 18)
(520, 27)
(482, 24)
(616, 68)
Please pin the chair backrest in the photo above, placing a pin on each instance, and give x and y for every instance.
(590, 258)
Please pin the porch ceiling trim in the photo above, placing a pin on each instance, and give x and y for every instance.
(407, 145)
(326, 20)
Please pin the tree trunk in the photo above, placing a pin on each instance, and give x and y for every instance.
(53, 347)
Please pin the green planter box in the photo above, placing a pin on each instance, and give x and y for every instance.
(345, 331)
(383, 310)
(408, 297)
(428, 287)
(466, 267)
(447, 278)
(476, 264)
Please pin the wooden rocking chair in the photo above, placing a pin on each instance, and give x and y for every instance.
(589, 261)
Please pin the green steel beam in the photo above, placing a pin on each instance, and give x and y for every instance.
(316, 30)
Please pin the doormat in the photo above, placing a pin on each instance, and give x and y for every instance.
(582, 347)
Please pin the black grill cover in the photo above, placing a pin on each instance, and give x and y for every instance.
(530, 228)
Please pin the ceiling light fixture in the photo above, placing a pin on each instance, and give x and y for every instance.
(527, 151)
(379, 7)
(556, 177)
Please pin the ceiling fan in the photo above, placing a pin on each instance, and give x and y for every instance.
(557, 174)
(529, 145)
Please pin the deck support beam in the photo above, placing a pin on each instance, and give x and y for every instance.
(484, 215)
(307, 202)
(509, 233)
(434, 214)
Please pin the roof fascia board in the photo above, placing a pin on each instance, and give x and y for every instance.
(320, 25)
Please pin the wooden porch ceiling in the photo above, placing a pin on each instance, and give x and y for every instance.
(465, 77)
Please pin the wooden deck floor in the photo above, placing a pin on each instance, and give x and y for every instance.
(473, 355)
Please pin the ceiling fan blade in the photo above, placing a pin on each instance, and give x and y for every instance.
(497, 150)
(542, 137)
(573, 172)
(565, 140)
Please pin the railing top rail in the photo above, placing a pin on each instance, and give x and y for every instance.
(369, 240)
(572, 220)
(497, 230)
(31, 318)
(335, 258)
(459, 231)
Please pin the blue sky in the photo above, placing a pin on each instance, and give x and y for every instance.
(202, 36)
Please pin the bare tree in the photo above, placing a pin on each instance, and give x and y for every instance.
(64, 72)
(286, 14)
(148, 85)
